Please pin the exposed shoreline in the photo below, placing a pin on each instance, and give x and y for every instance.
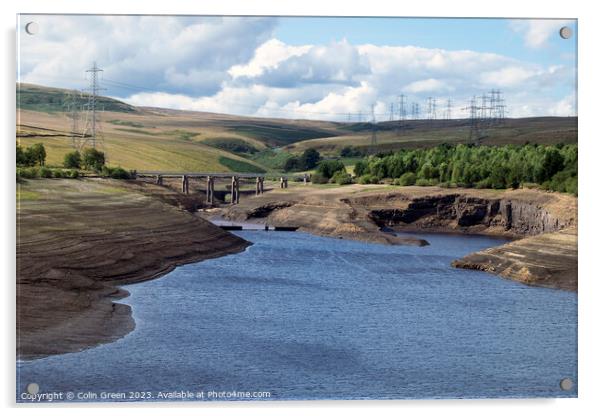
(540, 227)
(79, 241)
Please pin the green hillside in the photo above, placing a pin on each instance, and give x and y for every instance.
(37, 98)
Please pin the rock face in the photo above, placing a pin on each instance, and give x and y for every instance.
(466, 213)
(544, 224)
(547, 260)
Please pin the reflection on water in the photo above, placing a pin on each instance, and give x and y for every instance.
(305, 317)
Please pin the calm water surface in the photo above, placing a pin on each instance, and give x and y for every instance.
(305, 317)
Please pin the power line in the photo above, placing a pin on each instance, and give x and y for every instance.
(92, 132)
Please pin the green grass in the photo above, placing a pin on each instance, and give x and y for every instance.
(183, 135)
(239, 165)
(232, 144)
(23, 195)
(126, 123)
(271, 159)
(148, 133)
(46, 99)
(279, 134)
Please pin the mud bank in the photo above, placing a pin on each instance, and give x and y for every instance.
(79, 240)
(362, 212)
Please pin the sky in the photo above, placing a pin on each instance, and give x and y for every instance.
(307, 67)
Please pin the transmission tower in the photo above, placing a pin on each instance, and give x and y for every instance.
(373, 138)
(359, 117)
(92, 133)
(474, 134)
(391, 112)
(72, 109)
(448, 110)
(401, 120)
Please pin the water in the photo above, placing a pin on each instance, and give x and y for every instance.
(305, 317)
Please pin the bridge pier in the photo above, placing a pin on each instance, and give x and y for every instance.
(283, 182)
(235, 191)
(159, 180)
(185, 187)
(305, 179)
(257, 187)
(210, 190)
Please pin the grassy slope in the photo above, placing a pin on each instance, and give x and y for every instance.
(161, 139)
(158, 139)
(547, 130)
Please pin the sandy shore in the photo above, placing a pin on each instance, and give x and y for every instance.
(543, 224)
(78, 241)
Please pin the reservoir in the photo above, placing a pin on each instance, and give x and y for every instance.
(306, 317)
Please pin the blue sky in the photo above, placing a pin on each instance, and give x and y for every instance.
(324, 68)
(481, 35)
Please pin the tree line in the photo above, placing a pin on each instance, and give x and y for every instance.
(31, 163)
(554, 167)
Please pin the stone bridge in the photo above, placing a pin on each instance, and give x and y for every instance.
(211, 177)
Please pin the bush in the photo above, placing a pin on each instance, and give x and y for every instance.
(318, 178)
(72, 160)
(93, 159)
(426, 182)
(119, 173)
(45, 172)
(115, 173)
(407, 179)
(72, 174)
(368, 179)
(292, 163)
(29, 173)
(328, 167)
(57, 173)
(341, 178)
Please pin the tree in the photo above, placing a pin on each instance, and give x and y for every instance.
(327, 168)
(21, 159)
(309, 159)
(292, 163)
(72, 160)
(36, 154)
(93, 159)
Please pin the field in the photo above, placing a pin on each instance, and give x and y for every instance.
(144, 138)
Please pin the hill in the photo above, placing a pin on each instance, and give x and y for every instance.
(146, 138)
(39, 98)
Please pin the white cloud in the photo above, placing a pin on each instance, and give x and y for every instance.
(235, 65)
(426, 85)
(537, 32)
(267, 56)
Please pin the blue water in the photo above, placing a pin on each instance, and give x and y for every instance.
(305, 317)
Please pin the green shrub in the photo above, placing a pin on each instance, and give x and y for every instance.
(328, 167)
(73, 174)
(72, 160)
(93, 159)
(29, 173)
(119, 173)
(57, 173)
(45, 172)
(318, 178)
(341, 178)
(407, 179)
(368, 179)
(114, 173)
(426, 182)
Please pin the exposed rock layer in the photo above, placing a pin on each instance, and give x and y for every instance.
(545, 223)
(78, 239)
